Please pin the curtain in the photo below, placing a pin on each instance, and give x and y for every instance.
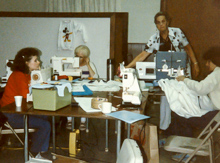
(83, 5)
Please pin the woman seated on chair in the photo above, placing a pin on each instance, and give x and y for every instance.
(211, 86)
(88, 70)
(18, 83)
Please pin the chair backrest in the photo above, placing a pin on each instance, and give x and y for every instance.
(217, 117)
(215, 120)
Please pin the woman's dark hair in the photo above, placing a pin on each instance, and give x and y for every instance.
(161, 14)
(24, 55)
(213, 55)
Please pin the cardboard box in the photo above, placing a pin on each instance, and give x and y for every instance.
(48, 99)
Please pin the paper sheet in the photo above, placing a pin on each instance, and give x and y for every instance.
(85, 104)
(127, 116)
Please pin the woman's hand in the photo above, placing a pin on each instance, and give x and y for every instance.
(180, 78)
(119, 72)
(87, 60)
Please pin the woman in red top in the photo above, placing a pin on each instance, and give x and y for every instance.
(18, 83)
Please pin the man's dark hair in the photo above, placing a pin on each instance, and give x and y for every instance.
(24, 55)
(213, 55)
(161, 14)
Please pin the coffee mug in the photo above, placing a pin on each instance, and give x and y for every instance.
(105, 107)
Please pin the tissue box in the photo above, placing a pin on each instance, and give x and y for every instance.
(48, 99)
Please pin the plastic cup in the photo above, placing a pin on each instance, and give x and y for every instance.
(18, 101)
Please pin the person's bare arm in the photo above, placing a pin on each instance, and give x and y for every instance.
(91, 72)
(142, 56)
(192, 57)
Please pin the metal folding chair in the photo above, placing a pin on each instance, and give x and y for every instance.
(4, 122)
(195, 146)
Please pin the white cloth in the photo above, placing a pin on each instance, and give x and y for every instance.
(111, 86)
(60, 88)
(70, 28)
(183, 101)
(83, 6)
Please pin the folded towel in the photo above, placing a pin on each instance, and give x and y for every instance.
(86, 92)
(50, 84)
(61, 87)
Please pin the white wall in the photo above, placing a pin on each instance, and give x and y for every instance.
(141, 26)
(23, 5)
(141, 19)
(17, 33)
(141, 14)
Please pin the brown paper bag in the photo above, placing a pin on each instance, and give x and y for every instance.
(147, 138)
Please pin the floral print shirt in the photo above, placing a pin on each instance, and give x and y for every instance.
(176, 36)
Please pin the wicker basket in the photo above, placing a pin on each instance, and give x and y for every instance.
(96, 101)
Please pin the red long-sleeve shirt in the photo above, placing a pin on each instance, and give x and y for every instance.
(18, 84)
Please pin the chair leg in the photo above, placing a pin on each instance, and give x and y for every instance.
(211, 149)
(217, 156)
(72, 126)
(0, 133)
(116, 127)
(106, 135)
(218, 143)
(182, 157)
(87, 125)
(9, 126)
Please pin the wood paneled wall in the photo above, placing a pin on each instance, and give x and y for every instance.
(199, 20)
(136, 48)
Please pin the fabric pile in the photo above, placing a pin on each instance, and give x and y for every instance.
(183, 101)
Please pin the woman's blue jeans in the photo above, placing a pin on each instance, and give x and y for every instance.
(40, 138)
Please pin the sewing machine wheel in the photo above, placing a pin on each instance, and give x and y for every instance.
(35, 77)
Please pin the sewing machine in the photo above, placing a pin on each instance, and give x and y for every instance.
(166, 65)
(146, 70)
(39, 76)
(8, 72)
(66, 66)
(131, 89)
(170, 64)
(42, 75)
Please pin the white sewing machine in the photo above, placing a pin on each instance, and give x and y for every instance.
(39, 76)
(166, 65)
(42, 75)
(146, 70)
(66, 66)
(8, 72)
(131, 89)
